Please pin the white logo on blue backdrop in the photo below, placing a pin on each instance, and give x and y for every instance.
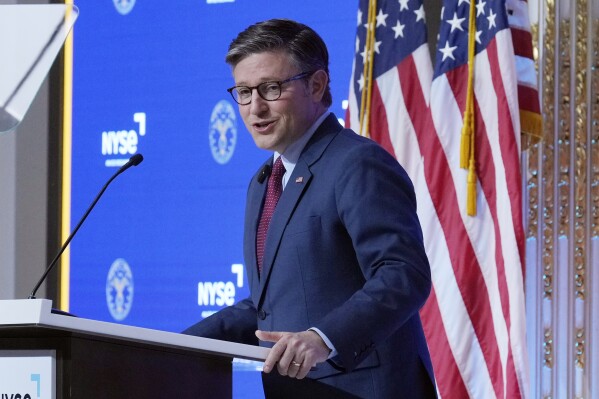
(119, 289)
(124, 7)
(223, 132)
(119, 145)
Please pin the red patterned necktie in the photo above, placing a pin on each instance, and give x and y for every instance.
(273, 193)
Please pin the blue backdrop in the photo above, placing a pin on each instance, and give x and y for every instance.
(163, 248)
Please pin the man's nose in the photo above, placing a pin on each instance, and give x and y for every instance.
(258, 104)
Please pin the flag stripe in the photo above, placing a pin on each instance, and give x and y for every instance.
(512, 233)
(522, 42)
(511, 147)
(528, 98)
(527, 75)
(378, 121)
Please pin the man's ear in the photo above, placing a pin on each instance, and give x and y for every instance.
(318, 84)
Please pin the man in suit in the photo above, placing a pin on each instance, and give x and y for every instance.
(333, 246)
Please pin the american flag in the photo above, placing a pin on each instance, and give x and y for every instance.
(475, 317)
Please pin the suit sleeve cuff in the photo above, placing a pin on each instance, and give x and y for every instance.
(326, 340)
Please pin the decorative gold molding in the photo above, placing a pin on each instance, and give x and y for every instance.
(547, 146)
(532, 184)
(580, 143)
(594, 151)
(579, 348)
(563, 195)
(564, 133)
(548, 348)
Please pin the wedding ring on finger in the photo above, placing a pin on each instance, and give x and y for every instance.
(294, 363)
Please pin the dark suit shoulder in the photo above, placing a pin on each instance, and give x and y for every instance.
(353, 149)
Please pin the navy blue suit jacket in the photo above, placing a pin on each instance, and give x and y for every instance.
(344, 253)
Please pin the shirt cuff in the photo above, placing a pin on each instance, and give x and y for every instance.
(326, 340)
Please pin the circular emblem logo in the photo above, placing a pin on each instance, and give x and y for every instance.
(124, 7)
(223, 132)
(119, 289)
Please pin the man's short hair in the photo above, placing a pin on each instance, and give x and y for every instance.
(304, 46)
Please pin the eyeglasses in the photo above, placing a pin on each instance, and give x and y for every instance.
(269, 91)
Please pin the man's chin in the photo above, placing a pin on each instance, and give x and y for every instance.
(265, 144)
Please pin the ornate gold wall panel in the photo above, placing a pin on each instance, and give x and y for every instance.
(562, 203)
(594, 100)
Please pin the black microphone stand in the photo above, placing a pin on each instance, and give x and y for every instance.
(133, 161)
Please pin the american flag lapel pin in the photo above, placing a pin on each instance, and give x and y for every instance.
(299, 179)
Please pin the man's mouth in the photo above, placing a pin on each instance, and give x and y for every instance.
(262, 126)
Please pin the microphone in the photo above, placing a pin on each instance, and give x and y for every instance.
(264, 173)
(133, 161)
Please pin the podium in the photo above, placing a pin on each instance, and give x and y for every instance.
(71, 357)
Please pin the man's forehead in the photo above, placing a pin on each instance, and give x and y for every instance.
(263, 65)
(267, 56)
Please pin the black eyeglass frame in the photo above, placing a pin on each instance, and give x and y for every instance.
(299, 76)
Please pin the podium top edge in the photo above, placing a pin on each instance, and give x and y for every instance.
(38, 312)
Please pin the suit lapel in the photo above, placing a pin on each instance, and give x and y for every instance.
(255, 198)
(291, 195)
(287, 203)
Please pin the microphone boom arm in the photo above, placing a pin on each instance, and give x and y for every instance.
(133, 161)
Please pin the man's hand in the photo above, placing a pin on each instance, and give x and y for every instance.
(294, 353)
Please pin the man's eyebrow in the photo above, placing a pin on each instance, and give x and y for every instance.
(263, 80)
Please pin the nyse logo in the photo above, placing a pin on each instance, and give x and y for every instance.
(118, 144)
(220, 293)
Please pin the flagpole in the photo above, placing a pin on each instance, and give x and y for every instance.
(368, 67)
(467, 160)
